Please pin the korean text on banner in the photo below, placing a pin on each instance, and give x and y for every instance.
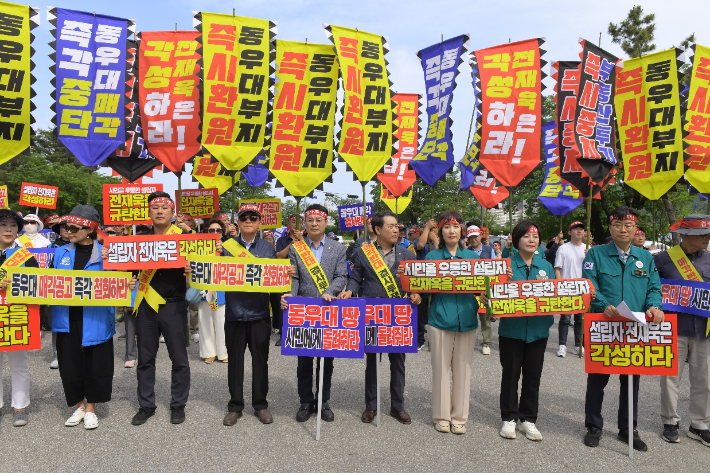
(198, 203)
(128, 204)
(697, 122)
(487, 190)
(16, 78)
(301, 152)
(38, 195)
(540, 297)
(649, 108)
(314, 327)
(461, 275)
(270, 211)
(234, 274)
(510, 80)
(211, 174)
(157, 251)
(390, 326)
(365, 138)
(236, 53)
(19, 326)
(350, 216)
(398, 177)
(689, 297)
(440, 63)
(395, 204)
(558, 196)
(68, 287)
(90, 82)
(621, 346)
(3, 197)
(168, 95)
(44, 256)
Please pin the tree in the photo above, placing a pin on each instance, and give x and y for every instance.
(635, 34)
(242, 191)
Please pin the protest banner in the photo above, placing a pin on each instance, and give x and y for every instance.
(398, 177)
(350, 216)
(69, 287)
(38, 195)
(44, 256)
(558, 196)
(19, 326)
(235, 274)
(696, 136)
(270, 211)
(198, 203)
(461, 275)
(540, 297)
(3, 197)
(127, 204)
(621, 346)
(314, 327)
(690, 297)
(157, 251)
(390, 325)
(486, 189)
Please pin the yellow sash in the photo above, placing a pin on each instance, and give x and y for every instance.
(236, 249)
(687, 270)
(145, 291)
(18, 258)
(383, 272)
(310, 262)
(26, 242)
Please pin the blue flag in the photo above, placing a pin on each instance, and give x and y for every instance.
(558, 196)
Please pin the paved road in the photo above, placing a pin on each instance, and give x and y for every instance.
(202, 443)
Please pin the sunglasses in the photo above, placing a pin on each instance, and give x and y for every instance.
(74, 228)
(251, 217)
(214, 230)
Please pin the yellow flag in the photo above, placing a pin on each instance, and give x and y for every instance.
(697, 157)
(16, 22)
(301, 152)
(236, 53)
(211, 174)
(365, 138)
(648, 111)
(396, 204)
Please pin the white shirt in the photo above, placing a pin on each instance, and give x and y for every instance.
(569, 260)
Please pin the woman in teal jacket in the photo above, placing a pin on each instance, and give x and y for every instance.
(453, 326)
(84, 334)
(522, 340)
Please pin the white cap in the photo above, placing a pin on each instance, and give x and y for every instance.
(35, 218)
(473, 230)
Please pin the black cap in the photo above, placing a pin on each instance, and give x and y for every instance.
(12, 214)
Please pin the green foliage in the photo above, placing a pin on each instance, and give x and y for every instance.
(635, 34)
(242, 190)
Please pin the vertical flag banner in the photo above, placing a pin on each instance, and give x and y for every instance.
(558, 196)
(90, 82)
(510, 88)
(132, 160)
(594, 120)
(3, 197)
(16, 79)
(301, 151)
(365, 138)
(648, 104)
(487, 191)
(168, 95)
(440, 63)
(236, 55)
(468, 166)
(398, 177)
(211, 174)
(697, 121)
(395, 204)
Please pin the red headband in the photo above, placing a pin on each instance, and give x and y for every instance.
(639, 231)
(631, 217)
(316, 213)
(532, 229)
(162, 200)
(449, 221)
(84, 222)
(50, 218)
(690, 224)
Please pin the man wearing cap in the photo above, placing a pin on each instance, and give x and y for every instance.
(620, 272)
(693, 341)
(247, 324)
(32, 238)
(473, 238)
(321, 271)
(283, 243)
(568, 265)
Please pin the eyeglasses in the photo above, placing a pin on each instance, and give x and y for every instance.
(74, 228)
(214, 230)
(619, 226)
(30, 222)
(252, 217)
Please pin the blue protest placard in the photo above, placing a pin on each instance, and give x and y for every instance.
(390, 326)
(689, 297)
(314, 327)
(351, 216)
(44, 256)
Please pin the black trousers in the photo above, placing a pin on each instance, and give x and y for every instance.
(171, 322)
(396, 381)
(516, 357)
(595, 398)
(422, 320)
(304, 373)
(276, 312)
(254, 334)
(86, 372)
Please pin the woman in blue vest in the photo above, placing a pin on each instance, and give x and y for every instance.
(84, 334)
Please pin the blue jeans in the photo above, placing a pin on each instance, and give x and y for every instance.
(563, 328)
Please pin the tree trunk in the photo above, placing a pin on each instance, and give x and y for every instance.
(672, 217)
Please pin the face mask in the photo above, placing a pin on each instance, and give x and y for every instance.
(31, 228)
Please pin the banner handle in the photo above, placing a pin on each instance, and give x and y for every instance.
(320, 395)
(630, 389)
(378, 358)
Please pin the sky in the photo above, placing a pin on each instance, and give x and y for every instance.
(409, 26)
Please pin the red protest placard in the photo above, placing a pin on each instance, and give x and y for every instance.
(157, 251)
(621, 346)
(3, 197)
(19, 326)
(540, 297)
(198, 203)
(127, 204)
(463, 275)
(38, 195)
